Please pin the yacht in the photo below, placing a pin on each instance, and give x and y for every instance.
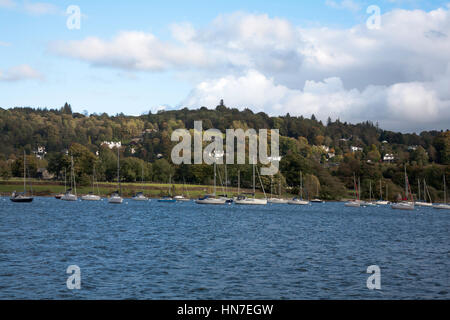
(244, 199)
(140, 197)
(69, 195)
(405, 204)
(426, 193)
(115, 197)
(211, 199)
(92, 196)
(299, 201)
(354, 203)
(279, 200)
(249, 199)
(22, 197)
(443, 206)
(181, 199)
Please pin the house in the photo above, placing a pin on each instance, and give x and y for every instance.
(40, 152)
(412, 148)
(388, 157)
(356, 149)
(112, 144)
(325, 148)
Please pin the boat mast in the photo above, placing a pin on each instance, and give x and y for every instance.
(381, 191)
(254, 190)
(301, 185)
(24, 172)
(418, 188)
(214, 175)
(239, 182)
(118, 169)
(445, 191)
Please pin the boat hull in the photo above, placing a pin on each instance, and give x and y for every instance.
(298, 202)
(277, 201)
(403, 206)
(22, 199)
(251, 202)
(211, 201)
(353, 204)
(423, 204)
(442, 207)
(115, 200)
(69, 197)
(91, 198)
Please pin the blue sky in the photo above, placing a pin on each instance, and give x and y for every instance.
(292, 61)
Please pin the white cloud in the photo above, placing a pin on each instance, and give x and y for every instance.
(5, 44)
(21, 72)
(403, 106)
(355, 74)
(40, 8)
(344, 4)
(7, 4)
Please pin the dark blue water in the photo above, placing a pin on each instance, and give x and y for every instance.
(186, 251)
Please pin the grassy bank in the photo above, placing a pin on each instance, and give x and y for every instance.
(154, 190)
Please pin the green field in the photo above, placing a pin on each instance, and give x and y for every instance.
(153, 190)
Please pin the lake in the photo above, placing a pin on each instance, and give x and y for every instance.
(151, 250)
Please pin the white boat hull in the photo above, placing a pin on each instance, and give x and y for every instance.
(277, 201)
(69, 197)
(353, 204)
(403, 206)
(211, 201)
(115, 200)
(382, 202)
(91, 198)
(252, 202)
(442, 207)
(140, 199)
(423, 204)
(299, 202)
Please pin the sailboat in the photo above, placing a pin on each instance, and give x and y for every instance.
(115, 197)
(250, 199)
(370, 203)
(299, 201)
(381, 201)
(168, 198)
(317, 200)
(68, 195)
(355, 203)
(445, 205)
(426, 195)
(182, 198)
(60, 195)
(92, 196)
(140, 195)
(211, 198)
(405, 204)
(22, 197)
(278, 200)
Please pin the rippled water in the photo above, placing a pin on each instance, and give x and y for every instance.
(157, 250)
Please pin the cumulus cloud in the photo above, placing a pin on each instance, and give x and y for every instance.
(344, 4)
(21, 72)
(7, 4)
(40, 8)
(397, 75)
(405, 106)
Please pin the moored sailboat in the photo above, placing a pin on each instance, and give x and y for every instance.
(445, 205)
(299, 201)
(115, 197)
(22, 197)
(408, 202)
(69, 195)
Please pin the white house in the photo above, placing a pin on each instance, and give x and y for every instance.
(388, 157)
(356, 149)
(112, 144)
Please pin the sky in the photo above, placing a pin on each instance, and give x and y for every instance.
(335, 58)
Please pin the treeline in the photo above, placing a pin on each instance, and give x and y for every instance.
(323, 152)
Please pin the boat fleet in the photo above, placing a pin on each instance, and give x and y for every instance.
(244, 199)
